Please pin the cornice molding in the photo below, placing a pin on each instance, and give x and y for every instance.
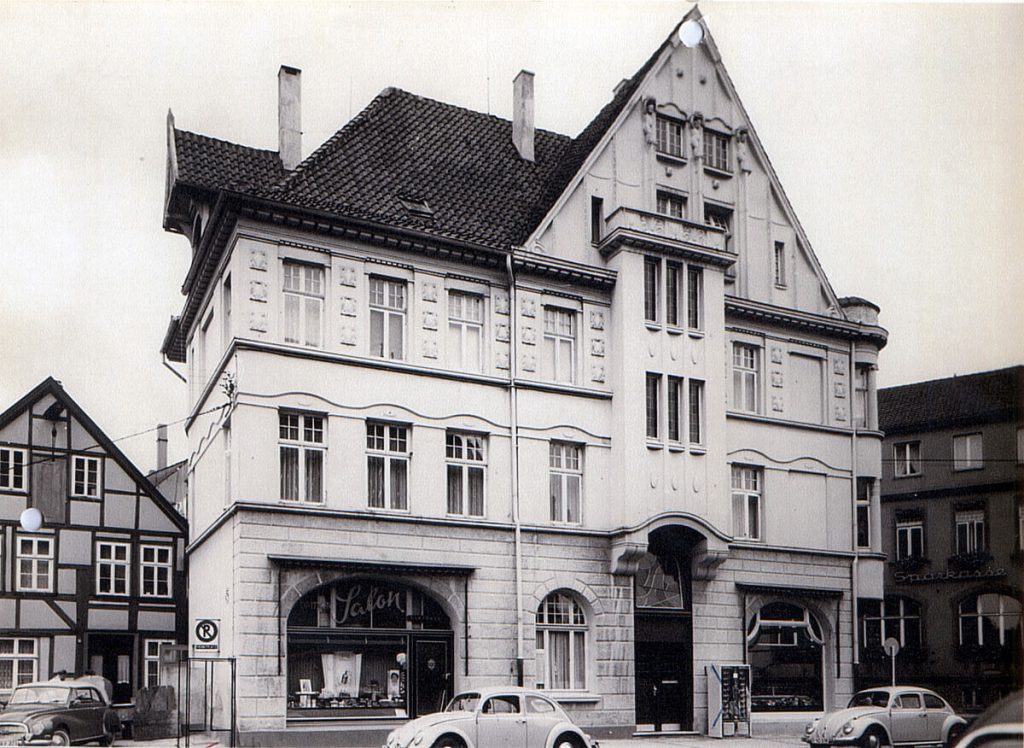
(757, 311)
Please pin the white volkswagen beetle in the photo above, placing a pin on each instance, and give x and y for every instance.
(493, 718)
(894, 715)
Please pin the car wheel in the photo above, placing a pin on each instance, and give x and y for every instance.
(955, 732)
(107, 739)
(60, 737)
(448, 741)
(568, 741)
(873, 739)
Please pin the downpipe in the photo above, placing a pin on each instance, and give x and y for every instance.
(513, 406)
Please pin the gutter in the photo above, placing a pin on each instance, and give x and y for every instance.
(513, 406)
(855, 566)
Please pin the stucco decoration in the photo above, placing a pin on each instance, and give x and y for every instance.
(429, 291)
(501, 303)
(597, 320)
(653, 481)
(258, 321)
(347, 335)
(501, 332)
(429, 320)
(258, 291)
(840, 412)
(501, 360)
(675, 483)
(777, 403)
(743, 158)
(258, 258)
(597, 346)
(597, 373)
(528, 307)
(430, 349)
(348, 306)
(840, 389)
(776, 379)
(839, 365)
(347, 275)
(650, 121)
(626, 556)
(529, 336)
(697, 136)
(529, 362)
(776, 355)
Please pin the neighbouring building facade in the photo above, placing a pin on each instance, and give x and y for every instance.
(101, 585)
(951, 528)
(473, 402)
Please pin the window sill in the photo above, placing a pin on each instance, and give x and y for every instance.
(695, 333)
(967, 469)
(676, 448)
(297, 502)
(674, 330)
(908, 475)
(718, 172)
(698, 449)
(652, 326)
(573, 697)
(671, 158)
(655, 445)
(781, 286)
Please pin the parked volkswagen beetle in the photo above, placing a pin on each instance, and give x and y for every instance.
(491, 717)
(58, 712)
(897, 715)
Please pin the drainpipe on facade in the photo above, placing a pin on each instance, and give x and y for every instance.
(853, 493)
(513, 406)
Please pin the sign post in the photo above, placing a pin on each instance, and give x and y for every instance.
(892, 648)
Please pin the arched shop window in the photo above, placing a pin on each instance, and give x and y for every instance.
(561, 643)
(367, 648)
(989, 620)
(895, 617)
(785, 649)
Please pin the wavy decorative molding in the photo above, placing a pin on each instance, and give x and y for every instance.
(777, 461)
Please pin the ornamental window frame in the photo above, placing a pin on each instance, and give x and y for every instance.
(669, 137)
(717, 150)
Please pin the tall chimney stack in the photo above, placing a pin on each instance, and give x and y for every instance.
(161, 446)
(522, 114)
(289, 116)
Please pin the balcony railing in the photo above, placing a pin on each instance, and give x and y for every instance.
(639, 228)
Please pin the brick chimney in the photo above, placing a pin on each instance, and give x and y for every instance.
(522, 114)
(161, 446)
(289, 116)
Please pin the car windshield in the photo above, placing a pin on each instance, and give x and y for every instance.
(869, 698)
(39, 695)
(464, 702)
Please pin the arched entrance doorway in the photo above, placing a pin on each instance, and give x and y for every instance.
(363, 647)
(663, 631)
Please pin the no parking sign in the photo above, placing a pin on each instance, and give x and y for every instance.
(207, 636)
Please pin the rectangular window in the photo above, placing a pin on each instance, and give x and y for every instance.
(302, 446)
(651, 273)
(906, 459)
(967, 452)
(465, 330)
(113, 561)
(466, 456)
(387, 318)
(696, 411)
(909, 539)
(653, 389)
(596, 219)
(746, 502)
(670, 204)
(716, 150)
(746, 367)
(34, 564)
(860, 396)
(717, 216)
(303, 304)
(12, 469)
(670, 137)
(675, 409)
(970, 531)
(673, 292)
(86, 476)
(19, 662)
(566, 463)
(559, 344)
(151, 661)
(865, 487)
(694, 298)
(780, 264)
(387, 462)
(157, 568)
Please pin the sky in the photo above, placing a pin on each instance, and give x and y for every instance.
(894, 129)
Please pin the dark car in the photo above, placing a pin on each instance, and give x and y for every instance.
(58, 712)
(999, 726)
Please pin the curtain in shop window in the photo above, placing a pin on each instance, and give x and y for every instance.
(558, 644)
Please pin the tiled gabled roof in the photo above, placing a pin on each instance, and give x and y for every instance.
(985, 397)
(214, 164)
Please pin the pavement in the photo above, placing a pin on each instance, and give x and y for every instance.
(668, 741)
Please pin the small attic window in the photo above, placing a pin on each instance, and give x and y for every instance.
(417, 207)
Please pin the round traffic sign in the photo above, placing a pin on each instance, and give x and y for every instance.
(891, 646)
(206, 630)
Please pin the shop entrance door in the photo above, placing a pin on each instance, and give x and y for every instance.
(432, 675)
(111, 656)
(664, 671)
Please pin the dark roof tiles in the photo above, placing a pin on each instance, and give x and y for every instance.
(973, 398)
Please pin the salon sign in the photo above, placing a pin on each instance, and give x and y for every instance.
(369, 604)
